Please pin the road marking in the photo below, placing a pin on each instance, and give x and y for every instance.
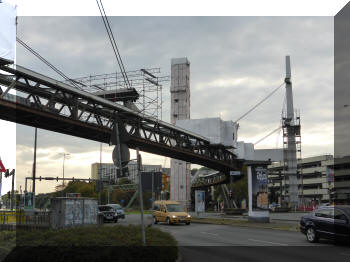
(209, 233)
(268, 242)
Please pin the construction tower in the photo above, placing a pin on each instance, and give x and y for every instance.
(180, 177)
(291, 142)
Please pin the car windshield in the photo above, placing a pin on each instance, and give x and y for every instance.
(175, 208)
(105, 208)
(115, 206)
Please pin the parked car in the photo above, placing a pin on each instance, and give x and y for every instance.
(273, 206)
(118, 210)
(108, 213)
(170, 212)
(330, 222)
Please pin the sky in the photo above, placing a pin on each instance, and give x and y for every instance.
(235, 62)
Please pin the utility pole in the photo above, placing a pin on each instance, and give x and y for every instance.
(64, 158)
(118, 152)
(231, 188)
(13, 190)
(152, 188)
(139, 169)
(34, 165)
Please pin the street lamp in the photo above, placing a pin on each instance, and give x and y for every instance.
(64, 158)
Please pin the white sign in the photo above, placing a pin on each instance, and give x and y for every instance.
(235, 173)
(200, 201)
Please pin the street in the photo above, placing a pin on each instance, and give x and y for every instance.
(207, 242)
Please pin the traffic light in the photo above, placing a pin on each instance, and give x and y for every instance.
(8, 173)
(164, 181)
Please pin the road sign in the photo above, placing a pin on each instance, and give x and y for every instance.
(2, 168)
(28, 200)
(147, 181)
(124, 154)
(235, 173)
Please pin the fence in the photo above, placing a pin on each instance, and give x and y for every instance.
(32, 219)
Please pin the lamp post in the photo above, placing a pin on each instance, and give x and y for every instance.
(64, 158)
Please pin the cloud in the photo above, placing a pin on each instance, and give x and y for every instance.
(235, 62)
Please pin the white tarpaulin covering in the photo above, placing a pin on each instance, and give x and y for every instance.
(215, 129)
(7, 31)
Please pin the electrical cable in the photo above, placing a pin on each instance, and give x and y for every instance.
(113, 42)
(47, 62)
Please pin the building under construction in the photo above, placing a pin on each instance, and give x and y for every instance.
(180, 178)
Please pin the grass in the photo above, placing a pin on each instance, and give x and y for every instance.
(90, 243)
(245, 223)
(147, 212)
(7, 242)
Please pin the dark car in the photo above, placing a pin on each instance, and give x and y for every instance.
(118, 209)
(330, 222)
(108, 213)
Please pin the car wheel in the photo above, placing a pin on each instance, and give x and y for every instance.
(115, 220)
(168, 221)
(187, 223)
(311, 235)
(155, 220)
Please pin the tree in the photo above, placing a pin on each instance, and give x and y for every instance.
(240, 189)
(124, 181)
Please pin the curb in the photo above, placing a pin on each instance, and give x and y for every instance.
(179, 256)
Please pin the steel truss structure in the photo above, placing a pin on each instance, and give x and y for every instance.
(49, 104)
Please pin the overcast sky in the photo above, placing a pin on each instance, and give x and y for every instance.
(235, 62)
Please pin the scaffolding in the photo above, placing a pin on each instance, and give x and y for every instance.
(292, 129)
(145, 89)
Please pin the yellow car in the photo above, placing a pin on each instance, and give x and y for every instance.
(170, 212)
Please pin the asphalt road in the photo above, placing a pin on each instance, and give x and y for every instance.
(207, 242)
(223, 235)
(204, 242)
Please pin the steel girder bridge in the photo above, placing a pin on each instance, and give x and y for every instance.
(46, 103)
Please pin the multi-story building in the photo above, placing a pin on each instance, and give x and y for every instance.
(340, 174)
(314, 180)
(107, 171)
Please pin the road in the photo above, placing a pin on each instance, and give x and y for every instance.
(207, 242)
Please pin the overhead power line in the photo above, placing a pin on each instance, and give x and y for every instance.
(262, 101)
(46, 62)
(113, 42)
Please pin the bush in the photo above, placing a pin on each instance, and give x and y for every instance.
(93, 243)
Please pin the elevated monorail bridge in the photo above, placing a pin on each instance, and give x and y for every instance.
(46, 103)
